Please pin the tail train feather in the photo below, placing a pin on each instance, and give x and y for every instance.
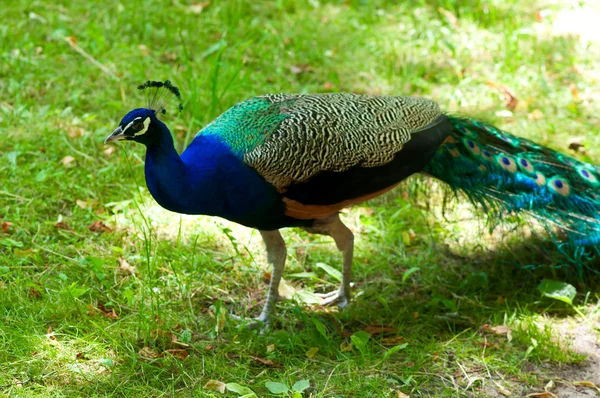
(508, 174)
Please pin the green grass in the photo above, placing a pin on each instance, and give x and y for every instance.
(56, 107)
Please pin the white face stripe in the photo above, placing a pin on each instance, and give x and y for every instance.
(143, 131)
(130, 123)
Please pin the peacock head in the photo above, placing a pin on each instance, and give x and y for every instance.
(142, 124)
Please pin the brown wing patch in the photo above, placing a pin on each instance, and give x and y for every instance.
(301, 211)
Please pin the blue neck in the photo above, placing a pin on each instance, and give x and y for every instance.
(208, 178)
(173, 183)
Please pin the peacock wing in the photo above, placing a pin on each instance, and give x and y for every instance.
(335, 133)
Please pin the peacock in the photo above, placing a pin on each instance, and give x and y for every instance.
(295, 160)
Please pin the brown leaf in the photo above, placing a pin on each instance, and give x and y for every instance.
(125, 267)
(109, 313)
(81, 203)
(179, 354)
(197, 8)
(379, 329)
(6, 225)
(215, 385)
(266, 362)
(511, 100)
(450, 17)
(99, 226)
(108, 151)
(50, 333)
(67, 160)
(301, 68)
(536, 114)
(148, 354)
(501, 330)
(145, 52)
(586, 383)
(328, 86)
(81, 356)
(35, 292)
(62, 225)
(400, 394)
(392, 340)
(574, 92)
(266, 277)
(545, 394)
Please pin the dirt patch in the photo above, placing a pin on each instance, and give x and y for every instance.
(583, 339)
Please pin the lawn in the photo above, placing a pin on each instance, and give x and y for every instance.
(104, 293)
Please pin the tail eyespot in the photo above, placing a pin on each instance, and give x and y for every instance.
(472, 146)
(587, 175)
(559, 185)
(525, 165)
(507, 163)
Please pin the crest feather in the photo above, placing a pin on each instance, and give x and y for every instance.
(160, 94)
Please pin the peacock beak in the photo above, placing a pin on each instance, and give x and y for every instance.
(116, 135)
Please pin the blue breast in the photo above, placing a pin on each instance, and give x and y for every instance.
(210, 179)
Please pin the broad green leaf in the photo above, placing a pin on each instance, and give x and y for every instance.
(276, 387)
(359, 340)
(334, 273)
(409, 272)
(240, 390)
(393, 350)
(301, 385)
(320, 326)
(558, 290)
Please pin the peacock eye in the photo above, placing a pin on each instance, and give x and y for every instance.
(138, 126)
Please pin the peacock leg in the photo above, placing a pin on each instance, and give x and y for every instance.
(276, 253)
(344, 240)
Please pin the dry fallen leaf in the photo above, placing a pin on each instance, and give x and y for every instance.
(50, 333)
(99, 226)
(147, 353)
(511, 101)
(6, 226)
(266, 362)
(395, 340)
(215, 385)
(107, 312)
(67, 160)
(379, 329)
(450, 17)
(271, 348)
(62, 225)
(81, 203)
(177, 353)
(328, 86)
(585, 383)
(197, 8)
(574, 92)
(536, 114)
(545, 394)
(125, 267)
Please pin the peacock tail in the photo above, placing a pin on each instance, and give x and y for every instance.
(508, 174)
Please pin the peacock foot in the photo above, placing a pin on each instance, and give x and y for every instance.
(262, 322)
(341, 297)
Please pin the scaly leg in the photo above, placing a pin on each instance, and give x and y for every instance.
(276, 253)
(344, 240)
